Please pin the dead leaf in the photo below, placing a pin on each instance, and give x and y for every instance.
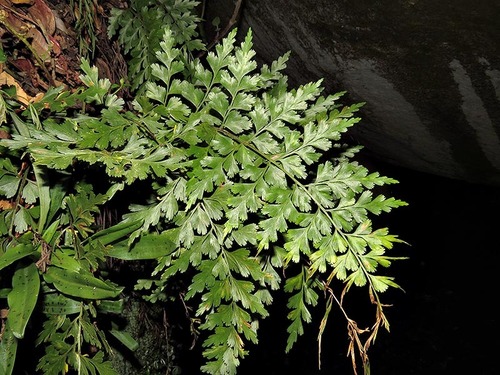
(21, 1)
(23, 65)
(60, 25)
(4, 313)
(7, 79)
(56, 47)
(11, 21)
(39, 96)
(39, 44)
(6, 205)
(3, 135)
(43, 16)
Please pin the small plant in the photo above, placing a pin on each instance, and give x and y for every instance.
(220, 171)
(140, 27)
(84, 13)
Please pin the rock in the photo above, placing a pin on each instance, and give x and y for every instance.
(428, 71)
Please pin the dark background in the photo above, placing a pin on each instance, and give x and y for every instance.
(444, 322)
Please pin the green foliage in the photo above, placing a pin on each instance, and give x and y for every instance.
(140, 28)
(84, 13)
(240, 179)
(50, 255)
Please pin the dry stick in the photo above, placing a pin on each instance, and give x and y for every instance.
(353, 331)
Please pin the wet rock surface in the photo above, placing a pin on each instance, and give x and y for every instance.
(428, 71)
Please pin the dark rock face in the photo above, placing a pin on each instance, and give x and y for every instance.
(429, 72)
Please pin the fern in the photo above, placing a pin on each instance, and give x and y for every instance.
(241, 179)
(257, 178)
(140, 29)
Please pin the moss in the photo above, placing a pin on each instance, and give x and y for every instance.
(156, 352)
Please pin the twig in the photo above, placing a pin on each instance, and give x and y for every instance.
(232, 21)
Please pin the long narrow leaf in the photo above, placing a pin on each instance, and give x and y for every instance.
(80, 284)
(8, 350)
(15, 253)
(125, 338)
(150, 246)
(116, 232)
(44, 196)
(22, 298)
(57, 304)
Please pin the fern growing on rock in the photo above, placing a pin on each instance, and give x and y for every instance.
(240, 178)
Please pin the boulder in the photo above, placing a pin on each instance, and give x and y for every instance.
(429, 72)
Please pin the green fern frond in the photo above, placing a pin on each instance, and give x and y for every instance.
(242, 179)
(140, 27)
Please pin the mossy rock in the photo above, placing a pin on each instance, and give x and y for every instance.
(156, 353)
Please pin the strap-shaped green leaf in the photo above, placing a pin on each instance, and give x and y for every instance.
(17, 252)
(44, 196)
(110, 306)
(65, 258)
(49, 233)
(80, 284)
(57, 304)
(125, 338)
(150, 246)
(22, 298)
(116, 232)
(8, 350)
